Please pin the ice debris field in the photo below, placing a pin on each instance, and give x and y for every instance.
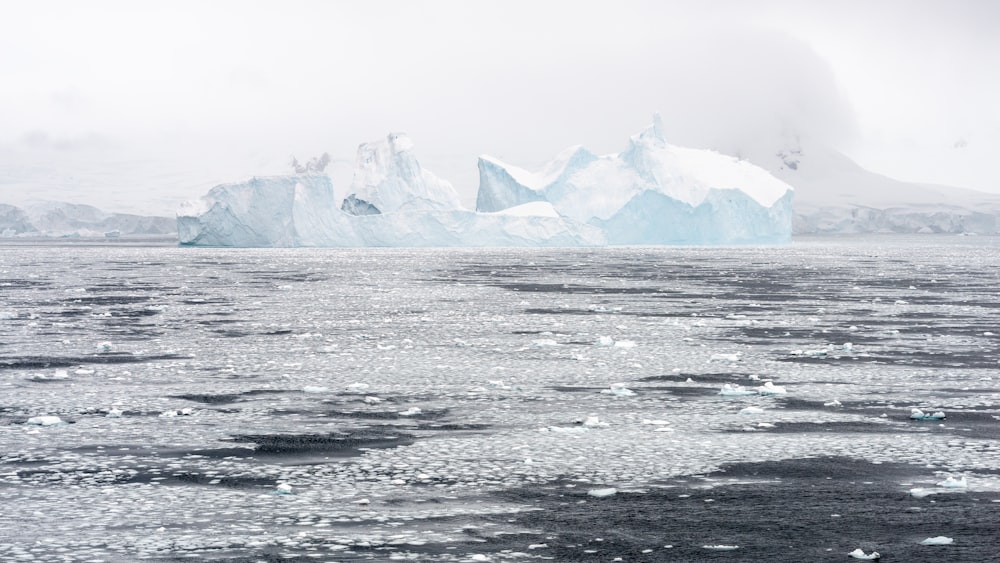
(688, 404)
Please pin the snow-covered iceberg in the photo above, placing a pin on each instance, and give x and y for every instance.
(653, 193)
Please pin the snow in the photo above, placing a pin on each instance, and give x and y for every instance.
(951, 482)
(602, 493)
(651, 194)
(938, 540)
(46, 420)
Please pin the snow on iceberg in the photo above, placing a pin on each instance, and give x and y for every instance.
(652, 193)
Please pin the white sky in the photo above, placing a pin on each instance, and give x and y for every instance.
(136, 106)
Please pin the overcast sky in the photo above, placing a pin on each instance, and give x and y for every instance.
(140, 105)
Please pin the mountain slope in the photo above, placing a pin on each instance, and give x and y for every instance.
(833, 194)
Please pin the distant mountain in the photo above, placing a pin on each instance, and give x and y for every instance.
(50, 218)
(833, 195)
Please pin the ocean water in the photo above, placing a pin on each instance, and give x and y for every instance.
(463, 405)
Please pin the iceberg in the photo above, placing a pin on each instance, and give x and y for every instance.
(651, 194)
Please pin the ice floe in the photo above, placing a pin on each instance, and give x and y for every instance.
(752, 410)
(917, 414)
(769, 388)
(951, 482)
(860, 554)
(619, 390)
(725, 357)
(735, 390)
(602, 493)
(938, 540)
(45, 420)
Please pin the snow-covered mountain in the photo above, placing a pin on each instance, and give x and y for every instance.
(50, 218)
(652, 193)
(835, 195)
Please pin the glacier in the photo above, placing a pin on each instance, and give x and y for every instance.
(653, 193)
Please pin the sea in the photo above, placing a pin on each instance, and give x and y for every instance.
(835, 396)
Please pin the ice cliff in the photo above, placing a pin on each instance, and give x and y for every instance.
(652, 193)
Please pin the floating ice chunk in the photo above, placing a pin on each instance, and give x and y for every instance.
(542, 342)
(952, 483)
(594, 422)
(370, 400)
(847, 346)
(625, 344)
(46, 420)
(938, 540)
(619, 390)
(114, 413)
(921, 493)
(602, 493)
(412, 411)
(735, 390)
(721, 547)
(8, 315)
(186, 411)
(168, 414)
(358, 387)
(833, 403)
(479, 557)
(752, 410)
(605, 341)
(817, 353)
(538, 546)
(725, 357)
(314, 389)
(753, 377)
(656, 422)
(917, 414)
(362, 502)
(769, 388)
(104, 347)
(283, 489)
(859, 554)
(566, 429)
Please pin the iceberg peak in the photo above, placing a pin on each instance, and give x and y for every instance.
(388, 177)
(655, 131)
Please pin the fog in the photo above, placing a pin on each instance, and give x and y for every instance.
(138, 106)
